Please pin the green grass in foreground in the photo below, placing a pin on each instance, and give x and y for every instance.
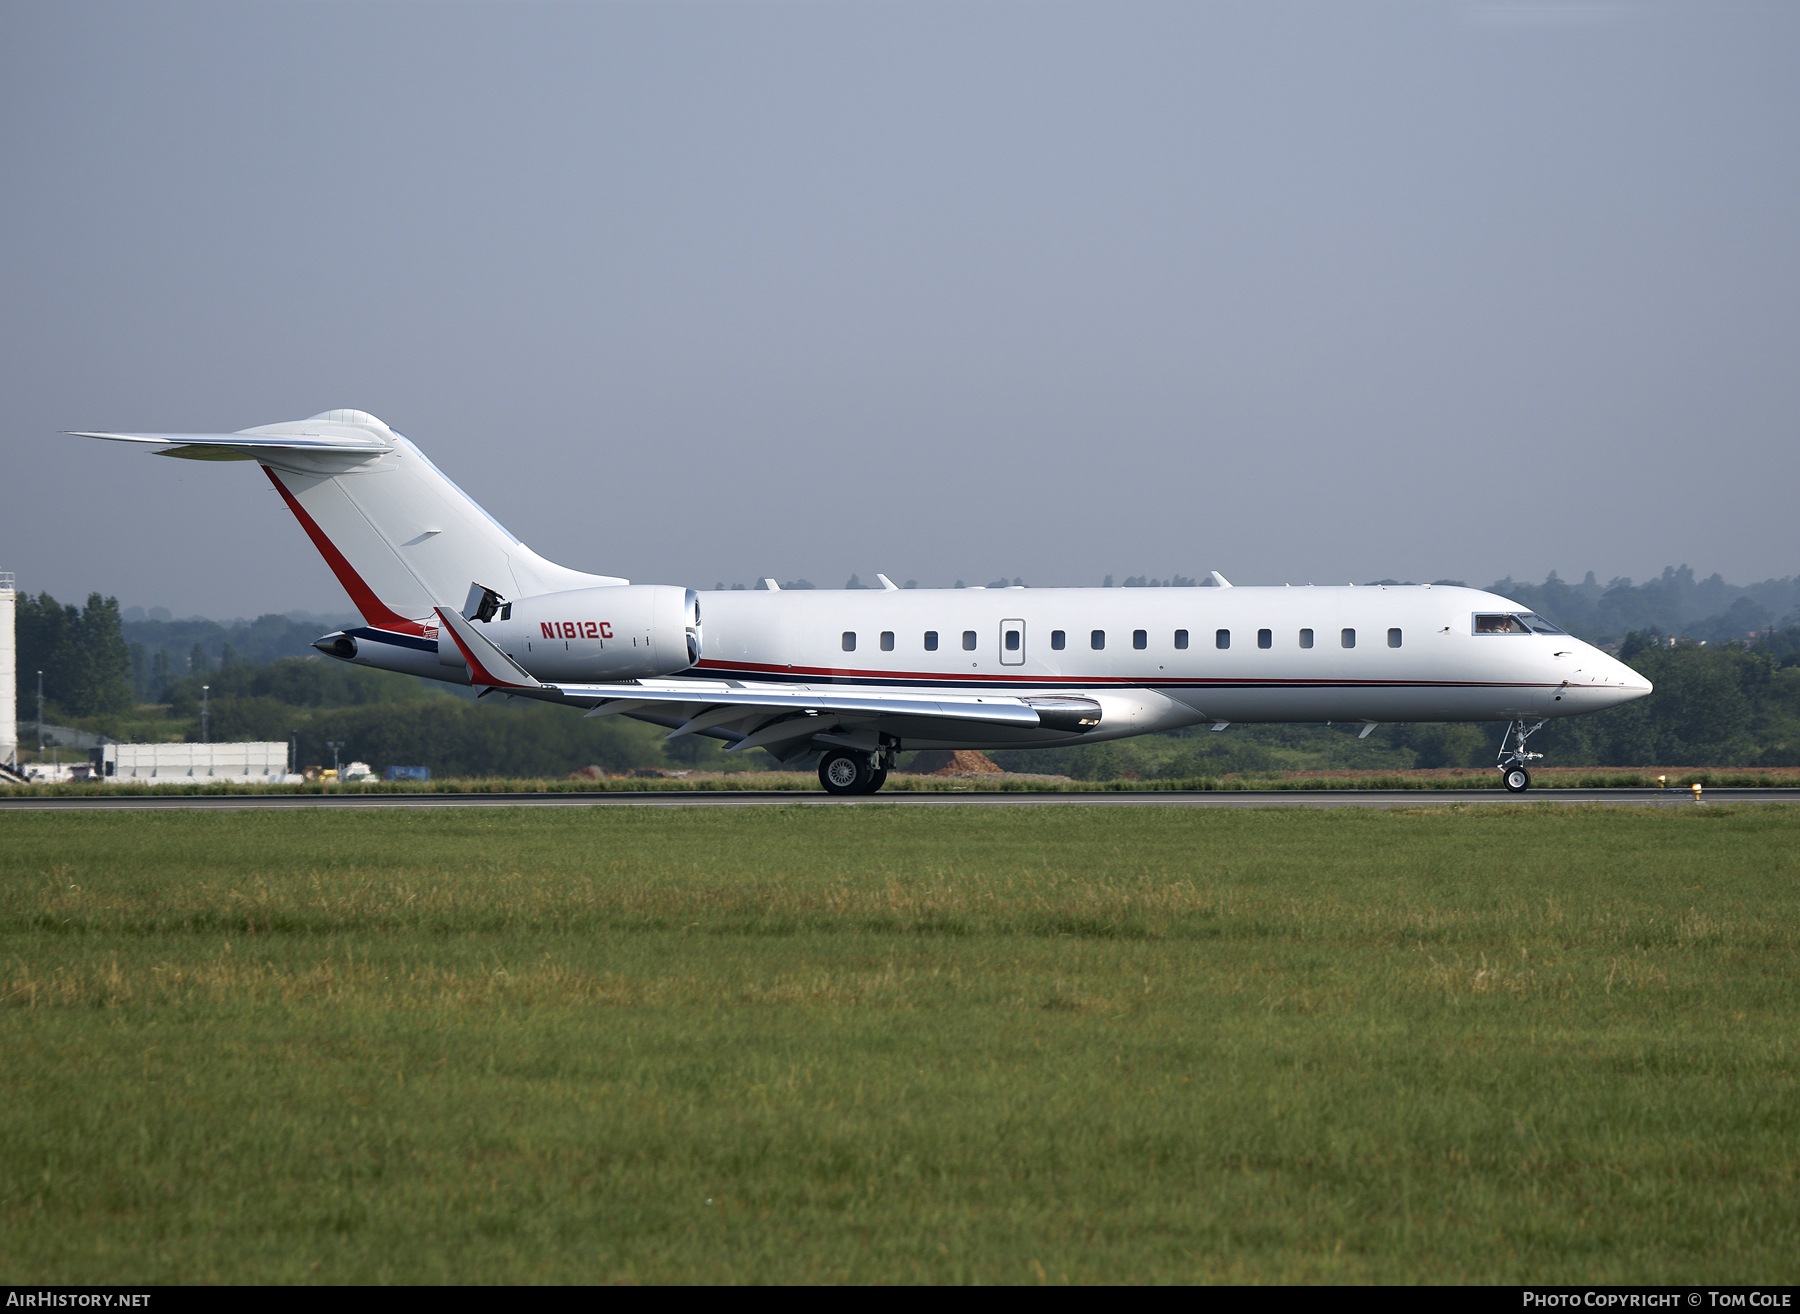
(1527, 1043)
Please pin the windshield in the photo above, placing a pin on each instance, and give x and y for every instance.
(1508, 622)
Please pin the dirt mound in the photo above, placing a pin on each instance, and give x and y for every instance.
(943, 762)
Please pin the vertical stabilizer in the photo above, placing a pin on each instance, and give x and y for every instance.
(401, 538)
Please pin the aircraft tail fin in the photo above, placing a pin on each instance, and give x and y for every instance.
(398, 534)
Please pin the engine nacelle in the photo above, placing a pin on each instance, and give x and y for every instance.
(620, 632)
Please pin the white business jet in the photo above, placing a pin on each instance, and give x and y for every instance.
(849, 679)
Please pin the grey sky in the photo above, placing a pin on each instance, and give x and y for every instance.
(690, 292)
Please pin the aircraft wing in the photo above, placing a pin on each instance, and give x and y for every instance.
(763, 717)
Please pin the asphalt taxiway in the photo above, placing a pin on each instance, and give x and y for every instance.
(1282, 798)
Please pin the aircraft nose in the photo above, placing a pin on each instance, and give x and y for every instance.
(1628, 682)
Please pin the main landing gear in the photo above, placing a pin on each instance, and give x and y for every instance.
(843, 771)
(1513, 756)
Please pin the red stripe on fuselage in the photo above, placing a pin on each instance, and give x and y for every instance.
(373, 609)
(952, 679)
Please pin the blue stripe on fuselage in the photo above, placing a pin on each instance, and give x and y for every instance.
(397, 640)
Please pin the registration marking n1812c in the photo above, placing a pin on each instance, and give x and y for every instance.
(576, 629)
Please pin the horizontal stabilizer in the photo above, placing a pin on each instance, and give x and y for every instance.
(242, 446)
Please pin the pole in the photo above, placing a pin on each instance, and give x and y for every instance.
(205, 732)
(293, 751)
(40, 715)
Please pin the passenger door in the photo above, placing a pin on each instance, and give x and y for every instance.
(1012, 643)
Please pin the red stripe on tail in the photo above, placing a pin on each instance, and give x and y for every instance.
(373, 609)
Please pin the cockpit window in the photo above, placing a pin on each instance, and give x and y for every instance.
(1502, 622)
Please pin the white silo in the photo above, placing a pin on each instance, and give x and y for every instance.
(9, 674)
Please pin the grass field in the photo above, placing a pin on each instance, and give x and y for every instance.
(1529, 1043)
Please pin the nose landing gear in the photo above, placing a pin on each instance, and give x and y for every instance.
(1513, 759)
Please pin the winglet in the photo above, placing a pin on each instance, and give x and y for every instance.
(487, 664)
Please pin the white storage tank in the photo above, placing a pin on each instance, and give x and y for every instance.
(9, 673)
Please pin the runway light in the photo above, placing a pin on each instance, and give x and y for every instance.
(1663, 781)
(1696, 791)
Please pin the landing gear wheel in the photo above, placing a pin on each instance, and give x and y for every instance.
(1517, 779)
(843, 772)
(877, 779)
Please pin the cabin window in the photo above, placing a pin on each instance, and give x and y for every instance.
(930, 640)
(1012, 640)
(1306, 638)
(1348, 638)
(1393, 638)
(887, 640)
(1058, 640)
(968, 640)
(1265, 638)
(1097, 640)
(1140, 639)
(1222, 639)
(849, 640)
(1181, 638)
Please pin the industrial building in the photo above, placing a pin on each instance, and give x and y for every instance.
(174, 764)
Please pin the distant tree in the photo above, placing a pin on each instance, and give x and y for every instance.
(45, 632)
(198, 664)
(82, 653)
(105, 667)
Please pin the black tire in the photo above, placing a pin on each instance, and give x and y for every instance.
(1517, 779)
(876, 780)
(843, 772)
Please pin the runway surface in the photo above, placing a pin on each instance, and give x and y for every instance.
(1372, 798)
